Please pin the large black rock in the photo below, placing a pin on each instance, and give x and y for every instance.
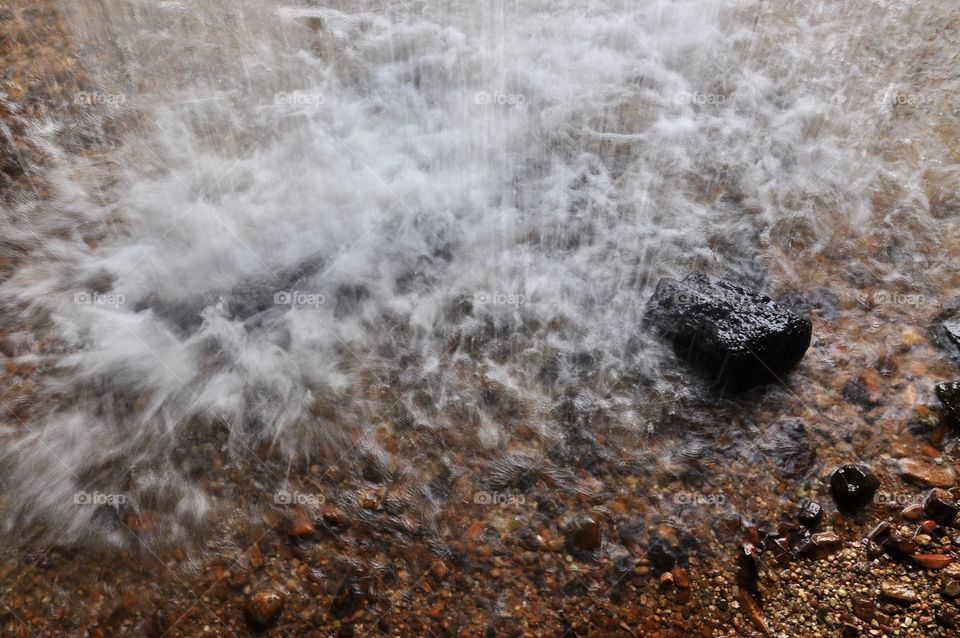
(740, 337)
(949, 395)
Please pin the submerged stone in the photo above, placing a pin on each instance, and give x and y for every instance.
(662, 556)
(940, 507)
(949, 395)
(740, 337)
(810, 514)
(584, 532)
(264, 608)
(853, 486)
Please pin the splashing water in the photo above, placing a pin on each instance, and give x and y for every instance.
(310, 219)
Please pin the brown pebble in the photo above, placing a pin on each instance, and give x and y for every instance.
(912, 512)
(864, 609)
(951, 588)
(264, 607)
(300, 524)
(929, 450)
(940, 507)
(666, 580)
(753, 612)
(898, 593)
(439, 570)
(926, 473)
(931, 561)
(681, 577)
(826, 542)
(255, 556)
(584, 532)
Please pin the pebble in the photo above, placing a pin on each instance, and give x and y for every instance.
(584, 532)
(264, 608)
(810, 514)
(901, 594)
(926, 473)
(439, 570)
(940, 507)
(932, 561)
(951, 589)
(853, 486)
(912, 512)
(299, 525)
(826, 542)
(661, 554)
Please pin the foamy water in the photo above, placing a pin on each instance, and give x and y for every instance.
(327, 215)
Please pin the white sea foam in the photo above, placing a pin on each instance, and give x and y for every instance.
(372, 163)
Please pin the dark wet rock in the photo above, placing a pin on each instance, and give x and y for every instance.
(789, 447)
(939, 506)
(584, 532)
(949, 395)
(945, 329)
(738, 336)
(853, 486)
(253, 300)
(348, 600)
(880, 532)
(952, 329)
(864, 608)
(859, 392)
(899, 547)
(662, 555)
(263, 608)
(923, 426)
(948, 617)
(349, 299)
(805, 548)
(809, 514)
(748, 567)
(782, 550)
(823, 301)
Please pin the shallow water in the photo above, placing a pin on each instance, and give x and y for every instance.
(288, 227)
